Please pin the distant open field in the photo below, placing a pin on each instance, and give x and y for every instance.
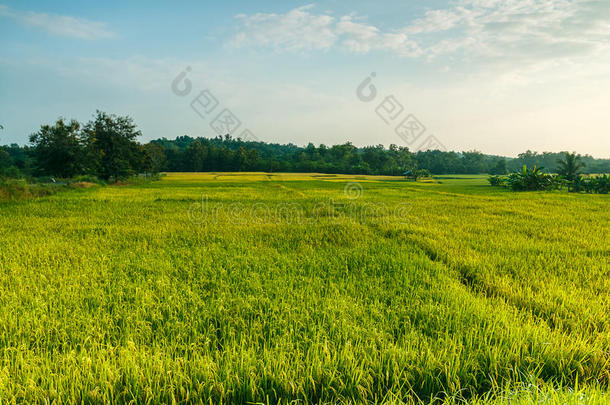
(255, 287)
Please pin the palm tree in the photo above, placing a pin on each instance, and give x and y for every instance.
(570, 165)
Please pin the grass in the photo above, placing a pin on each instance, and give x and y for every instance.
(266, 288)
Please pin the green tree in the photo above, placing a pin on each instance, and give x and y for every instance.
(252, 159)
(570, 166)
(499, 167)
(5, 158)
(195, 156)
(58, 148)
(153, 157)
(239, 159)
(402, 159)
(113, 152)
(473, 162)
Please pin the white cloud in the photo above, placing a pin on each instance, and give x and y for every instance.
(302, 30)
(296, 30)
(358, 37)
(520, 29)
(61, 25)
(362, 38)
(436, 20)
(524, 30)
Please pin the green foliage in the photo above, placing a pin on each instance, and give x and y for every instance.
(225, 153)
(20, 158)
(570, 166)
(11, 172)
(499, 167)
(153, 158)
(528, 180)
(88, 178)
(550, 160)
(195, 157)
(532, 180)
(416, 174)
(19, 189)
(58, 149)
(536, 180)
(112, 149)
(105, 147)
(601, 184)
(594, 184)
(5, 159)
(497, 181)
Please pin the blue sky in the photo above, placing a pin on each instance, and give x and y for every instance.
(500, 76)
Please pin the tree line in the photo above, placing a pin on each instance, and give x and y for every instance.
(107, 147)
(225, 153)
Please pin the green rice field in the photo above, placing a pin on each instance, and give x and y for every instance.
(305, 288)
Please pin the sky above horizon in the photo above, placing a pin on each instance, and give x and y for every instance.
(498, 76)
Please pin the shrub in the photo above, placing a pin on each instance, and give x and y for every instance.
(497, 181)
(11, 172)
(533, 180)
(19, 189)
(596, 185)
(528, 180)
(88, 178)
(416, 174)
(601, 184)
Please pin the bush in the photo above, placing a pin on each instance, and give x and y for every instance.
(528, 180)
(533, 180)
(88, 178)
(601, 184)
(416, 174)
(591, 185)
(11, 172)
(19, 189)
(497, 181)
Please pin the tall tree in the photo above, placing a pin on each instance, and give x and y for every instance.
(111, 145)
(570, 166)
(58, 149)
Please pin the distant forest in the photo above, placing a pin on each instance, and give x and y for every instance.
(107, 147)
(230, 154)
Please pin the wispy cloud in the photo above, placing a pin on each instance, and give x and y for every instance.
(519, 29)
(301, 30)
(295, 30)
(61, 25)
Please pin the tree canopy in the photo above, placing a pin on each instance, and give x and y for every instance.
(58, 149)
